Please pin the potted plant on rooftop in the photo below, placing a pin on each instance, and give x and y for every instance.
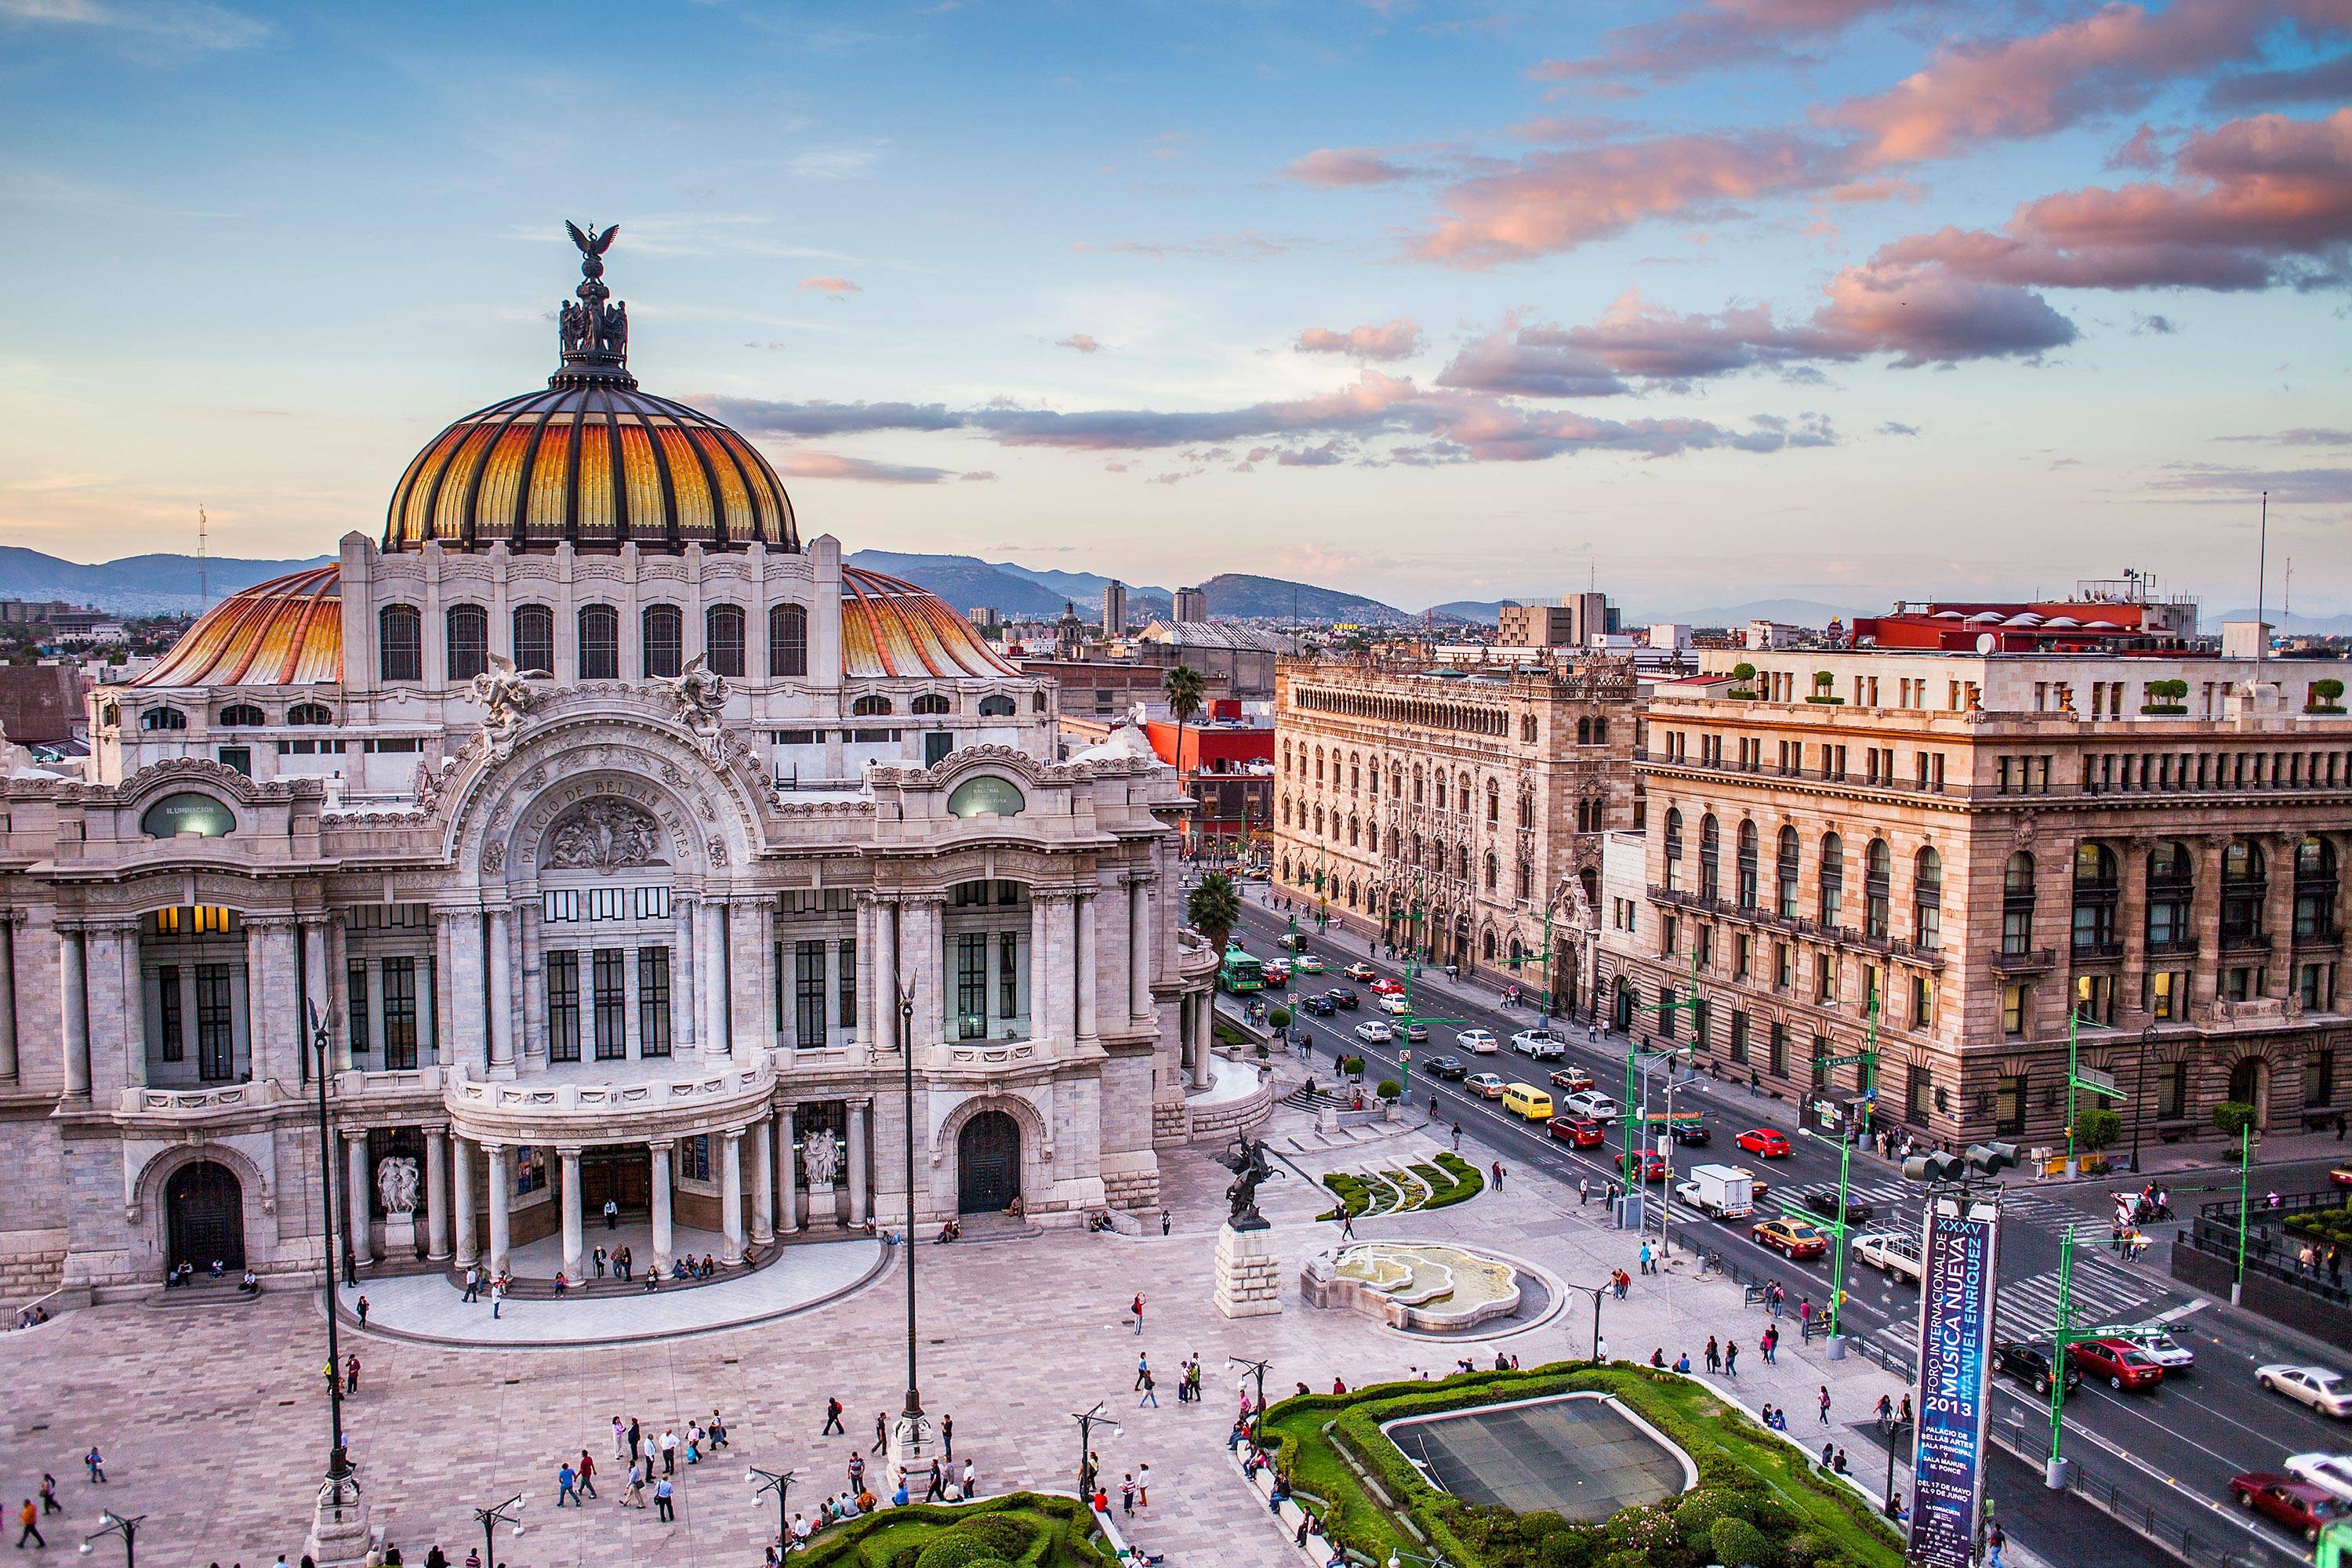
(2326, 695)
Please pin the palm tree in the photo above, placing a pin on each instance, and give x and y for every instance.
(1215, 909)
(1182, 688)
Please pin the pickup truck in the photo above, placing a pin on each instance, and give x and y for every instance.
(1891, 1252)
(1719, 1192)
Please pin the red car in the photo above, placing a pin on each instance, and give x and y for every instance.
(1653, 1168)
(1578, 1131)
(1384, 986)
(1764, 1143)
(2299, 1506)
(2122, 1365)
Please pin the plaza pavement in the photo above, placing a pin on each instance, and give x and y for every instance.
(214, 1426)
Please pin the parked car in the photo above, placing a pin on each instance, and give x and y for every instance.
(1592, 1103)
(1393, 1002)
(2331, 1473)
(1449, 1067)
(2155, 1341)
(1320, 1006)
(1823, 1201)
(2029, 1363)
(1572, 1080)
(1537, 1045)
(1375, 1032)
(1340, 996)
(1793, 1237)
(1358, 971)
(1489, 1085)
(1764, 1143)
(1416, 1031)
(2297, 1504)
(2122, 1365)
(1578, 1131)
(1891, 1252)
(1307, 965)
(1477, 1042)
(2320, 1387)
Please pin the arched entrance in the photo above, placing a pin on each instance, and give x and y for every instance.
(2250, 1085)
(988, 1162)
(204, 1209)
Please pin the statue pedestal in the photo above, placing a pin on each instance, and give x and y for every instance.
(1249, 1280)
(339, 1536)
(399, 1238)
(822, 1213)
(908, 1454)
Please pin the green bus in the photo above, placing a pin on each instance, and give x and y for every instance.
(1239, 974)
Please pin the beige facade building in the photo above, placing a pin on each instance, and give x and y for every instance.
(1963, 848)
(1449, 810)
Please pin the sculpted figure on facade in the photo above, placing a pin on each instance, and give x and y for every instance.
(396, 1184)
(604, 836)
(819, 1155)
(699, 696)
(505, 695)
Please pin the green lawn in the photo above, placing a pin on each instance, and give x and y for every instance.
(1758, 1501)
(1020, 1527)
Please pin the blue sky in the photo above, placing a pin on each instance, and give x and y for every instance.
(1838, 298)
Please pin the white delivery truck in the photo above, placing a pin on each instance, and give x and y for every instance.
(1719, 1192)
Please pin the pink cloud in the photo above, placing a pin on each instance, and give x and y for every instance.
(1394, 341)
(1717, 33)
(1343, 166)
(835, 286)
(1082, 342)
(833, 466)
(1924, 315)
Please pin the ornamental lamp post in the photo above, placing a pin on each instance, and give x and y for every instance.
(910, 1431)
(123, 1525)
(780, 1483)
(509, 1513)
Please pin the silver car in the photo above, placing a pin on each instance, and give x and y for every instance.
(2322, 1388)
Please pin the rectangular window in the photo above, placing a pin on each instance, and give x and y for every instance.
(808, 993)
(612, 1005)
(1008, 974)
(971, 985)
(2171, 1092)
(562, 1006)
(534, 637)
(1917, 1084)
(1777, 1051)
(1923, 1002)
(1784, 972)
(653, 1002)
(2319, 1079)
(239, 758)
(2009, 1103)
(167, 1013)
(847, 1012)
(694, 1157)
(2012, 1010)
(2168, 990)
(1824, 978)
(1740, 1037)
(1739, 954)
(216, 1023)
(399, 1014)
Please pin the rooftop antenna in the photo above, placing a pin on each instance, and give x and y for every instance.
(2286, 595)
(2262, 575)
(204, 592)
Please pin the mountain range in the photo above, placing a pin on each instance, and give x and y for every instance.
(136, 585)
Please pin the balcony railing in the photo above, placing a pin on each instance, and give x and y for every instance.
(2098, 950)
(2246, 941)
(1798, 926)
(2020, 963)
(2172, 947)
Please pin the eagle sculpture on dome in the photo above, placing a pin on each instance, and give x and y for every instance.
(590, 243)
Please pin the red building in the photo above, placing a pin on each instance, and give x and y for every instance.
(2111, 617)
(1228, 766)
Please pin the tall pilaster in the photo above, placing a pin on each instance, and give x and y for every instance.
(74, 1001)
(881, 1015)
(1139, 949)
(860, 1111)
(317, 992)
(1090, 964)
(918, 961)
(575, 1243)
(788, 1175)
(499, 959)
(355, 1188)
(501, 1185)
(730, 1197)
(461, 1202)
(12, 922)
(467, 1016)
(274, 999)
(711, 975)
(753, 1015)
(764, 1180)
(436, 1193)
(661, 1152)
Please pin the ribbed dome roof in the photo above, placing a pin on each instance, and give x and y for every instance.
(288, 631)
(891, 627)
(591, 459)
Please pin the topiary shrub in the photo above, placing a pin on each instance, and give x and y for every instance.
(2233, 1117)
(1278, 1016)
(1388, 1088)
(1352, 1066)
(1740, 1545)
(989, 1538)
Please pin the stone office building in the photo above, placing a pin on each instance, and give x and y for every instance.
(1447, 810)
(1964, 848)
(620, 842)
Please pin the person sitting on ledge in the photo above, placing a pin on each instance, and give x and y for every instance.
(1017, 1207)
(709, 1267)
(251, 1284)
(947, 1233)
(559, 1283)
(653, 1278)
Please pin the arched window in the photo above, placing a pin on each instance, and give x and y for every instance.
(1417, 795)
(1710, 857)
(600, 643)
(1355, 828)
(1877, 880)
(1527, 808)
(788, 641)
(1494, 871)
(1601, 732)
(1584, 731)
(1319, 822)
(929, 702)
(1037, 700)
(1286, 811)
(1355, 772)
(2245, 883)
(1744, 873)
(1784, 873)
(1528, 729)
(400, 637)
(1494, 802)
(2017, 904)
(1527, 880)
(1318, 765)
(162, 719)
(2097, 889)
(1487, 947)
(1462, 861)
(188, 813)
(1462, 795)
(1832, 900)
(722, 640)
(465, 640)
(996, 708)
(242, 716)
(870, 705)
(663, 630)
(534, 639)
(1674, 843)
(1927, 898)
(310, 713)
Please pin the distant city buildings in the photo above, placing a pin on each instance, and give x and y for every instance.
(1114, 610)
(1192, 605)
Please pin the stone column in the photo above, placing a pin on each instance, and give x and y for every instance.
(72, 966)
(573, 1245)
(1138, 949)
(730, 1197)
(532, 973)
(10, 919)
(317, 992)
(2278, 912)
(788, 1173)
(461, 1193)
(2205, 920)
(686, 981)
(710, 972)
(661, 1157)
(499, 958)
(1089, 963)
(1041, 968)
(468, 1033)
(1204, 1039)
(858, 1113)
(918, 941)
(764, 1180)
(501, 1194)
(436, 1193)
(884, 963)
(751, 923)
(119, 1017)
(356, 1182)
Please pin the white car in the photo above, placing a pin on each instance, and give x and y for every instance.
(1373, 1032)
(1395, 1003)
(1593, 1105)
(2323, 1389)
(1477, 1042)
(1538, 1044)
(2156, 1342)
(2331, 1473)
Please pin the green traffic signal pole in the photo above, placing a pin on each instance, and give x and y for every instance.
(2245, 1165)
(1837, 1227)
(1666, 1010)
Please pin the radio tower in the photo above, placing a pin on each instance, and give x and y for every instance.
(204, 592)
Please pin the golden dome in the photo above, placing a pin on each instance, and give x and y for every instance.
(891, 627)
(591, 460)
(288, 631)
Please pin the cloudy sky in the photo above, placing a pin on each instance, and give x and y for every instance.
(1836, 298)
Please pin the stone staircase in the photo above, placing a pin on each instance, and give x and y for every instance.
(201, 1295)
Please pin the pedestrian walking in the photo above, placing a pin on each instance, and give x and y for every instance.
(1498, 1175)
(881, 1432)
(1583, 1191)
(28, 1522)
(636, 1438)
(1142, 1370)
(50, 1503)
(95, 1463)
(1167, 1221)
(633, 1495)
(1127, 1495)
(1149, 1396)
(497, 1297)
(566, 1479)
(1825, 1403)
(1143, 1485)
(620, 1441)
(586, 1473)
(832, 1417)
(970, 1482)
(663, 1508)
(1714, 1356)
(938, 1489)
(1731, 1358)
(363, 1312)
(946, 1436)
(612, 1215)
(1458, 1137)
(473, 1283)
(1994, 1543)
(1347, 1222)
(669, 1450)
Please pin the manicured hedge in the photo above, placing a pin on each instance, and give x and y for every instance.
(1451, 1180)
(1022, 1528)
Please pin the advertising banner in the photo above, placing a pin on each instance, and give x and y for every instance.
(1956, 1308)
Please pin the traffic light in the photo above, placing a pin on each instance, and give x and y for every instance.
(1934, 1167)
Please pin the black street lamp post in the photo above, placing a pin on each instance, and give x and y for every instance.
(780, 1483)
(1088, 1421)
(2140, 1075)
(913, 1413)
(339, 1462)
(1257, 1416)
(125, 1526)
(1596, 1293)
(489, 1518)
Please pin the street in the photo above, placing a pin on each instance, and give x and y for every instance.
(2186, 1438)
